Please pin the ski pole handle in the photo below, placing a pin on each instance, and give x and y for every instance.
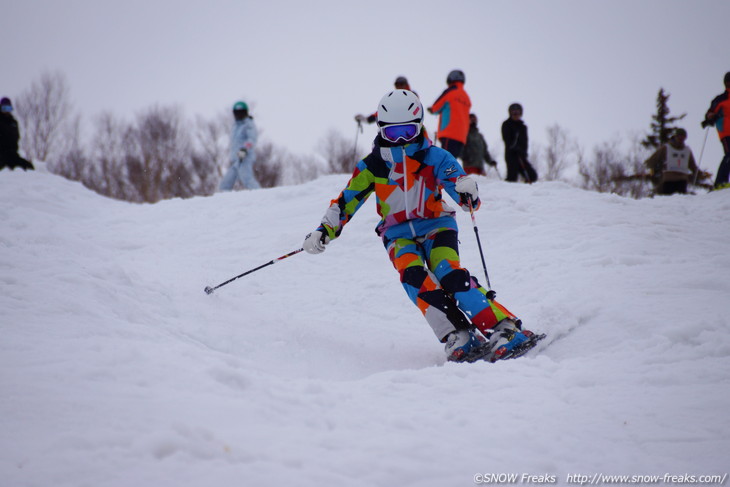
(209, 290)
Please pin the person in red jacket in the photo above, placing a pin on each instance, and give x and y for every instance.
(719, 116)
(453, 107)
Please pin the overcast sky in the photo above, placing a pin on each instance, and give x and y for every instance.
(593, 67)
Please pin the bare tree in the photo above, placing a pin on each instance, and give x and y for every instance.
(210, 156)
(558, 153)
(71, 161)
(212, 140)
(339, 152)
(108, 153)
(614, 172)
(42, 110)
(267, 168)
(276, 166)
(300, 169)
(161, 148)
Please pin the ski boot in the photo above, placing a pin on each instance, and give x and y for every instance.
(506, 339)
(510, 340)
(465, 346)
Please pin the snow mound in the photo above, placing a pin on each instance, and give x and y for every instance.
(116, 369)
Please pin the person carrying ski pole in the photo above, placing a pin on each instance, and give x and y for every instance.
(419, 231)
(400, 83)
(719, 116)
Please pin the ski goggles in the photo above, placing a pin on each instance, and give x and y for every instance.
(6, 108)
(402, 131)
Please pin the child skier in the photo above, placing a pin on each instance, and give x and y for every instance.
(419, 231)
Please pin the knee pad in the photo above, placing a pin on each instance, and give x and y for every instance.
(414, 276)
(456, 281)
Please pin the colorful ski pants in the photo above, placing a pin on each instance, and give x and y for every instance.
(431, 274)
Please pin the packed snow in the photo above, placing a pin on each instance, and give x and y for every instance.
(117, 370)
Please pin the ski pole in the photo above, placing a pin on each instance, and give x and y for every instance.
(358, 131)
(525, 174)
(490, 292)
(699, 162)
(209, 290)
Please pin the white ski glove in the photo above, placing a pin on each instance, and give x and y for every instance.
(468, 190)
(314, 242)
(242, 152)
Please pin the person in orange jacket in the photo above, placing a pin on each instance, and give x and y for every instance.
(453, 107)
(719, 116)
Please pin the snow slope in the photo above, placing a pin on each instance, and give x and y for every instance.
(117, 370)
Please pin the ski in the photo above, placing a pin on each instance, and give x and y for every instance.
(523, 348)
(484, 353)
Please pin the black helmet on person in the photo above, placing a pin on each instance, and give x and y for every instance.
(5, 105)
(456, 75)
(515, 107)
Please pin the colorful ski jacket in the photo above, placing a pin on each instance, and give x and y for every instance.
(453, 107)
(407, 182)
(720, 111)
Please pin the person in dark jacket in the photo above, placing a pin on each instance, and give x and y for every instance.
(719, 116)
(514, 134)
(475, 152)
(9, 137)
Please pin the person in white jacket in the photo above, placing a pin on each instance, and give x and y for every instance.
(242, 153)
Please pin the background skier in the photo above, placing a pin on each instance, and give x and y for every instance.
(514, 135)
(9, 137)
(476, 151)
(453, 109)
(719, 115)
(242, 154)
(672, 165)
(419, 230)
(401, 83)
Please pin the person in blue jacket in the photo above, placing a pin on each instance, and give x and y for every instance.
(242, 153)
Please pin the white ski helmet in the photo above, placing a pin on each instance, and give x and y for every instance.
(400, 116)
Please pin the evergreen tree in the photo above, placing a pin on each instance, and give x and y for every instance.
(662, 124)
